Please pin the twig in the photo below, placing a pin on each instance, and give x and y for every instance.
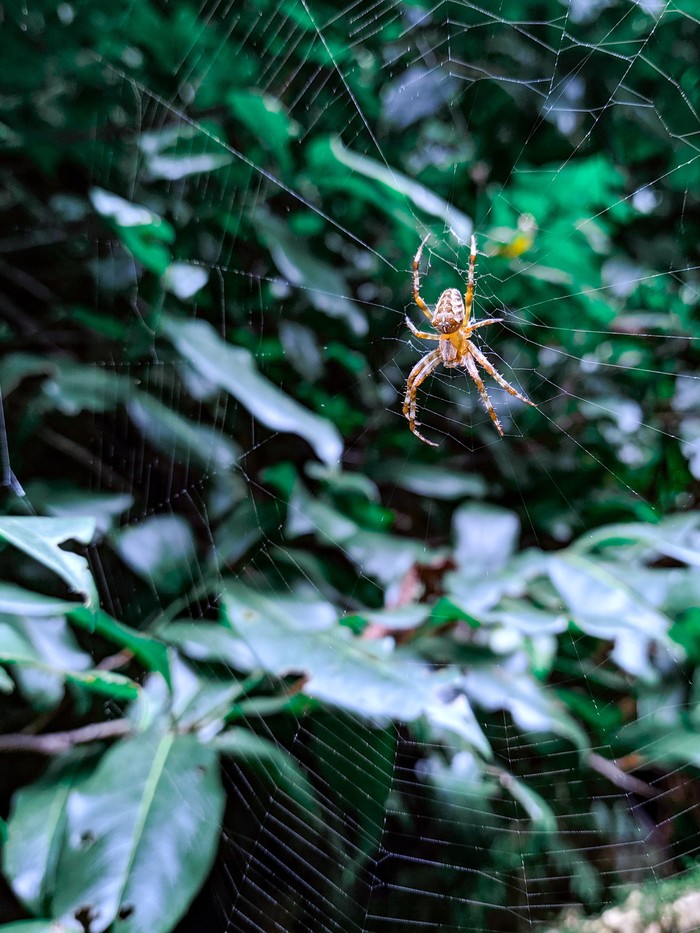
(56, 743)
(614, 773)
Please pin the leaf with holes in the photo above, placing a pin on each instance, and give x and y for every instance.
(141, 834)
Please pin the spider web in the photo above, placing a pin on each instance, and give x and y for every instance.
(425, 859)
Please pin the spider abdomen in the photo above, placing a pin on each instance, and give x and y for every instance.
(449, 311)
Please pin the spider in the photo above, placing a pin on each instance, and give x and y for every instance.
(453, 319)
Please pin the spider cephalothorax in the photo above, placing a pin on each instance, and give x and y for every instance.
(452, 319)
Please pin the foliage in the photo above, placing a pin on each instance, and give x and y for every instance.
(237, 585)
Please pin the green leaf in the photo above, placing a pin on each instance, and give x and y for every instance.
(174, 434)
(151, 653)
(176, 167)
(434, 482)
(341, 481)
(40, 538)
(323, 285)
(398, 619)
(669, 745)
(677, 536)
(476, 591)
(35, 834)
(66, 501)
(141, 230)
(161, 550)
(265, 757)
(533, 708)
(49, 657)
(184, 279)
(201, 700)
(42, 926)
(15, 600)
(181, 161)
(378, 554)
(422, 198)
(360, 676)
(539, 811)
(141, 834)
(74, 388)
(256, 708)
(265, 117)
(604, 606)
(106, 683)
(14, 645)
(233, 369)
(486, 536)
(208, 641)
(124, 213)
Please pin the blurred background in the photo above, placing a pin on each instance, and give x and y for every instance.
(307, 672)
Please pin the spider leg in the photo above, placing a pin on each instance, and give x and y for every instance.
(482, 361)
(469, 294)
(474, 373)
(490, 320)
(418, 374)
(416, 281)
(420, 333)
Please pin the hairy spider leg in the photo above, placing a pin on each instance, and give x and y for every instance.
(483, 362)
(416, 281)
(418, 374)
(491, 320)
(421, 333)
(474, 373)
(469, 294)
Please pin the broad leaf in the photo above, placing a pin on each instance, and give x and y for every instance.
(323, 285)
(151, 653)
(264, 756)
(174, 434)
(161, 550)
(233, 369)
(43, 926)
(141, 834)
(365, 677)
(40, 538)
(533, 709)
(15, 600)
(422, 198)
(35, 834)
(604, 606)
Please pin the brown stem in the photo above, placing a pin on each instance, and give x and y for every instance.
(56, 743)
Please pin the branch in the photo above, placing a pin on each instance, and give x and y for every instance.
(56, 743)
(614, 773)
